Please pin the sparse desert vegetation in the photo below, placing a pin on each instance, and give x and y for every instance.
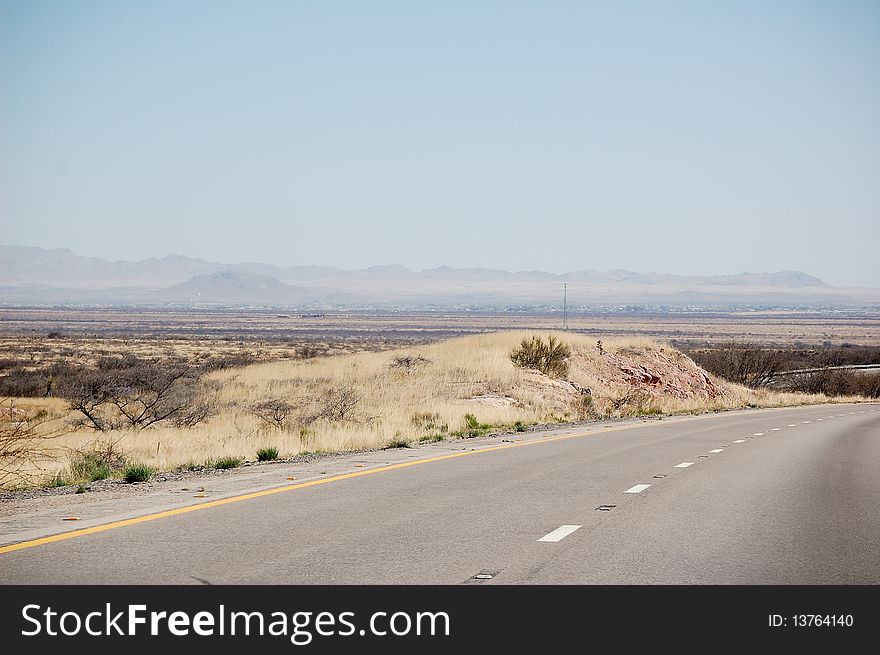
(805, 370)
(267, 454)
(454, 389)
(137, 473)
(549, 356)
(26, 433)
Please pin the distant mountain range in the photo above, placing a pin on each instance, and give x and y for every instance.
(39, 276)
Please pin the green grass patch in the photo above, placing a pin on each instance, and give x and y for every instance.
(137, 473)
(473, 428)
(226, 463)
(58, 480)
(90, 466)
(267, 454)
(311, 453)
(398, 442)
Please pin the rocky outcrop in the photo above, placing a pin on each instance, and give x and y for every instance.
(655, 372)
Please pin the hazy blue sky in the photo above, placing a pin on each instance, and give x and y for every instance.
(681, 137)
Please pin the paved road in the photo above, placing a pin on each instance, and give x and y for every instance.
(780, 496)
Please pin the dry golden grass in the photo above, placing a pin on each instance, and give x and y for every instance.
(430, 396)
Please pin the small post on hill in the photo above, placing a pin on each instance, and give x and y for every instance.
(565, 305)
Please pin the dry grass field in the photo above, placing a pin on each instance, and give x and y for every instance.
(451, 389)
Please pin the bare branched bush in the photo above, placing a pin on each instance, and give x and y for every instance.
(311, 351)
(232, 360)
(23, 442)
(340, 404)
(137, 394)
(96, 461)
(197, 409)
(550, 357)
(18, 379)
(836, 383)
(745, 364)
(107, 451)
(408, 363)
(276, 412)
(629, 402)
(865, 385)
(585, 408)
(87, 396)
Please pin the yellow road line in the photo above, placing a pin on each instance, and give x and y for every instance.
(291, 487)
(313, 483)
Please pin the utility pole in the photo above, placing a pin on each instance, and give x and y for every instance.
(565, 305)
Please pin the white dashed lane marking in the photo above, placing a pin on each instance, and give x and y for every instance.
(559, 533)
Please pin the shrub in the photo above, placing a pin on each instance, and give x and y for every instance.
(310, 351)
(519, 426)
(226, 462)
(90, 466)
(473, 428)
(105, 451)
(340, 404)
(549, 357)
(428, 421)
(58, 480)
(630, 402)
(408, 362)
(837, 383)
(137, 473)
(306, 436)
(22, 382)
(745, 364)
(585, 407)
(398, 442)
(136, 393)
(274, 411)
(267, 454)
(23, 440)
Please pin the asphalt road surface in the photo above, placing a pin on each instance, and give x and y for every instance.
(781, 496)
